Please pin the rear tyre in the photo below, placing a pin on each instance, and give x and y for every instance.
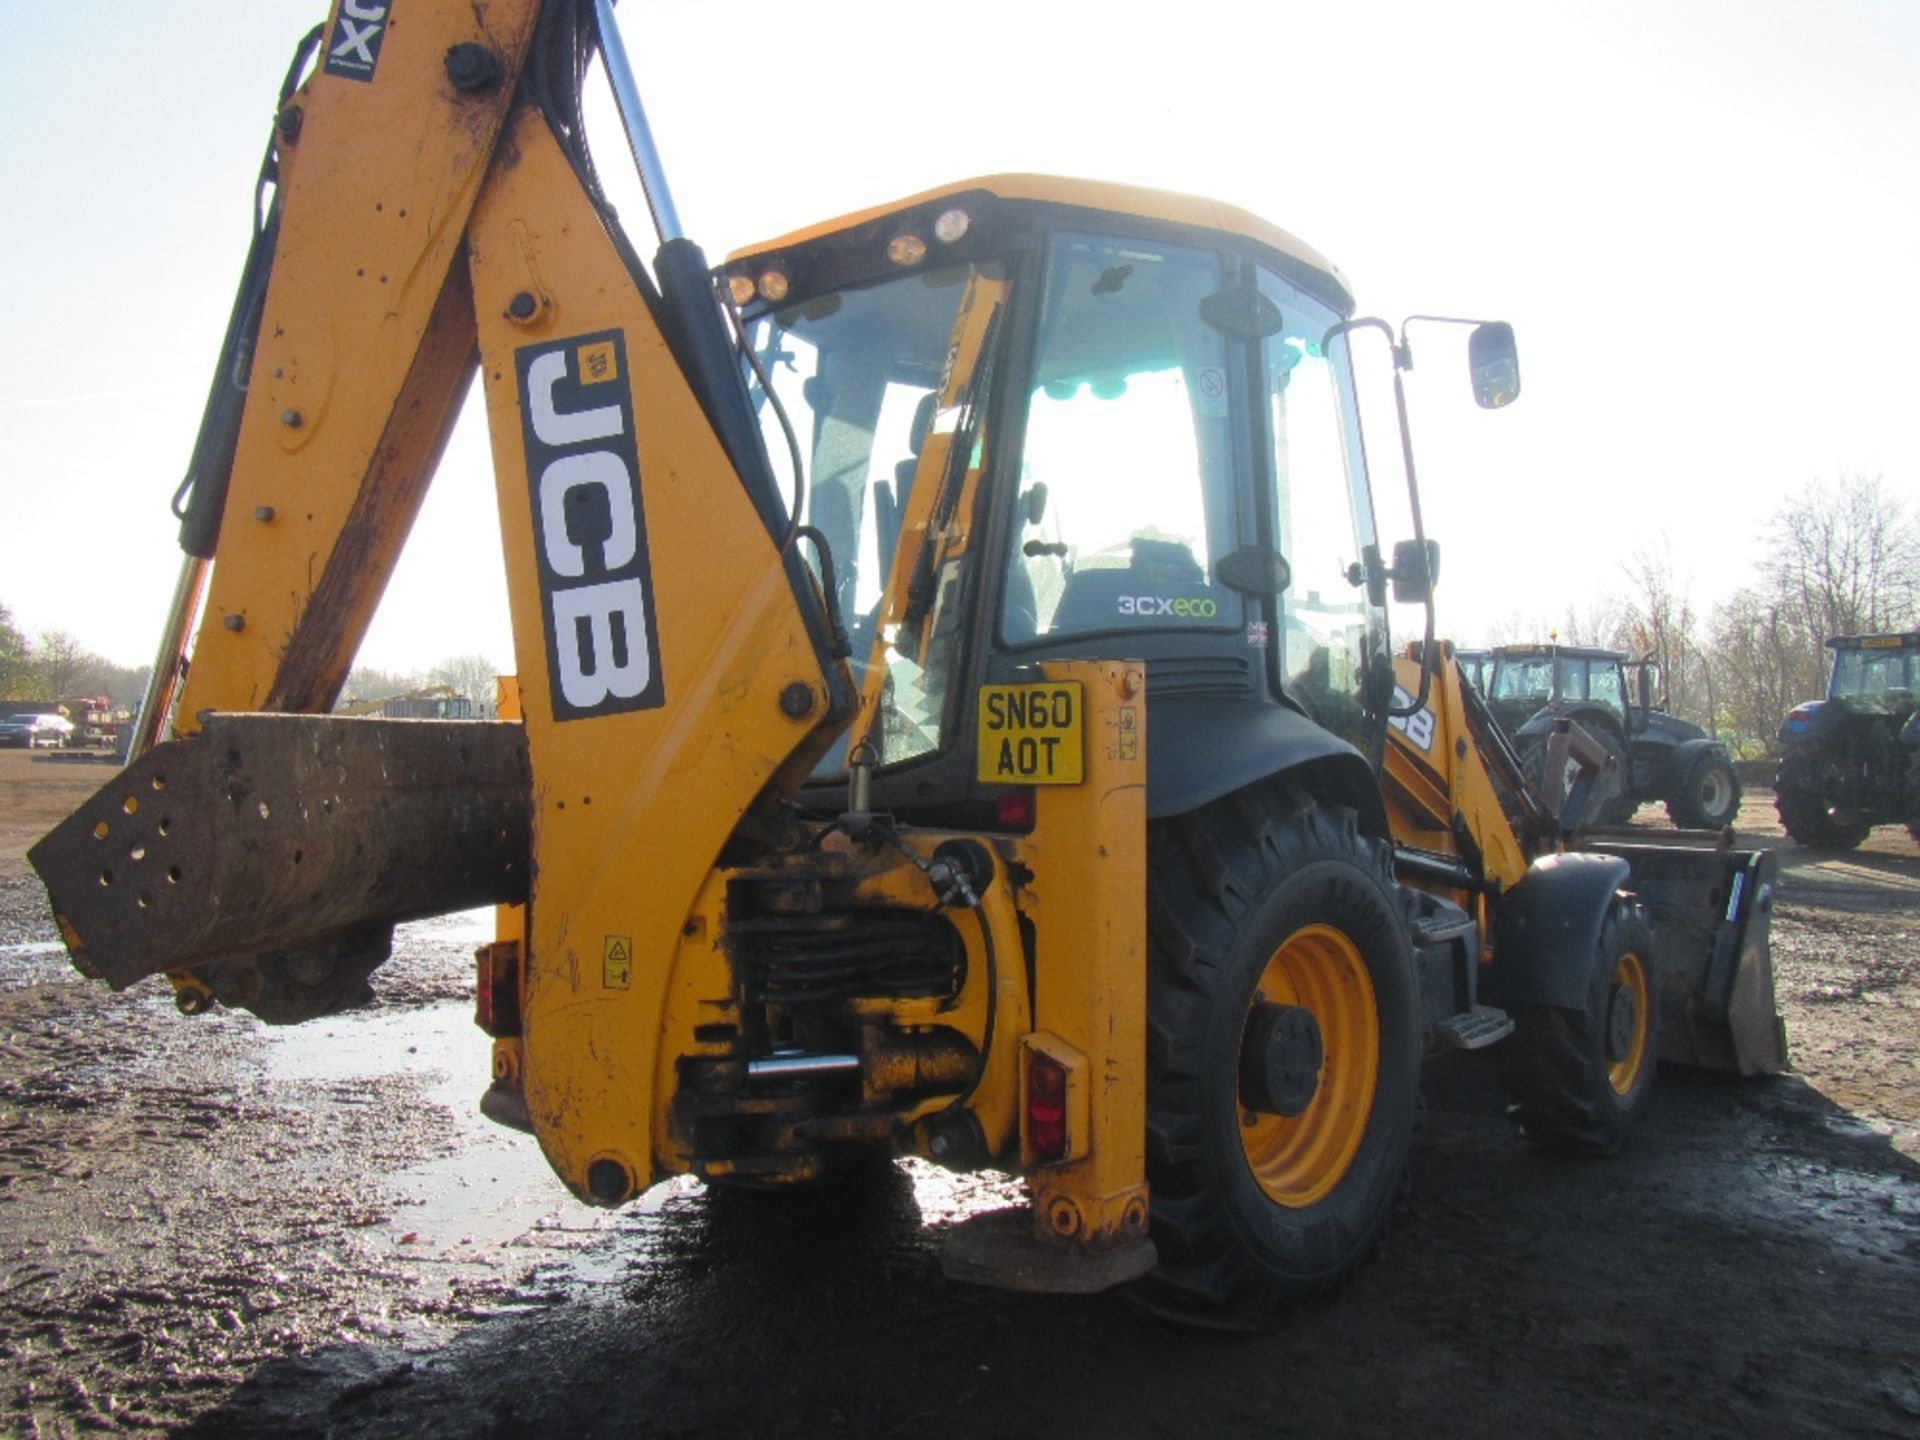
(1800, 800)
(1579, 1079)
(1283, 1053)
(1708, 797)
(1913, 797)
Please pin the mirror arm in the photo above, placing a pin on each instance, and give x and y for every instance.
(1402, 361)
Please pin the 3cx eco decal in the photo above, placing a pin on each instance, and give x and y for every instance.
(1203, 608)
(1417, 727)
(589, 526)
(353, 49)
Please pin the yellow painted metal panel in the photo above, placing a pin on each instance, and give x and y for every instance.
(1087, 903)
(363, 352)
(632, 805)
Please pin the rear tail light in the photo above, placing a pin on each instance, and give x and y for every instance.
(496, 993)
(1014, 809)
(1046, 1107)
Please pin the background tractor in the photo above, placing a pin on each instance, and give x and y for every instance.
(1852, 761)
(1661, 757)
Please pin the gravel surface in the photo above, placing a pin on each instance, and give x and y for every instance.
(210, 1225)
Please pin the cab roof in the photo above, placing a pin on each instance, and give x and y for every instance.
(1571, 652)
(1885, 640)
(1101, 195)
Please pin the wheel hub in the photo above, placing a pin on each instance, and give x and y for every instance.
(1280, 1060)
(1622, 1022)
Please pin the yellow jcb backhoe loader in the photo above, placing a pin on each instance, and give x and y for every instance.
(1029, 785)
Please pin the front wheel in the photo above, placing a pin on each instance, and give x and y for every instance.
(1708, 797)
(1578, 1079)
(1283, 1053)
(1913, 796)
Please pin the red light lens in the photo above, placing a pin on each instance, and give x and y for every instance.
(496, 991)
(1014, 809)
(1046, 1107)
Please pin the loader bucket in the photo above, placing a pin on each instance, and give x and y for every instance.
(1711, 906)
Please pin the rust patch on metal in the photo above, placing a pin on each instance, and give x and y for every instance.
(275, 832)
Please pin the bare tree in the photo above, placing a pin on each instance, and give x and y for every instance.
(1844, 559)
(58, 659)
(1658, 620)
(16, 659)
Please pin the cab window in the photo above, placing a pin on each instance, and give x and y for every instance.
(1126, 497)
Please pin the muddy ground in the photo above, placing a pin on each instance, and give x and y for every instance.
(209, 1226)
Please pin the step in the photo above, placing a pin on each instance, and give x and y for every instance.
(1478, 1028)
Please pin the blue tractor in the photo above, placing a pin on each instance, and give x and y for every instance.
(1852, 761)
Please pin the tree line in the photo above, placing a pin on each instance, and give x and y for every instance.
(1841, 557)
(54, 666)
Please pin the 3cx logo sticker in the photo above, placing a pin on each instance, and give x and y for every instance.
(1203, 608)
(353, 49)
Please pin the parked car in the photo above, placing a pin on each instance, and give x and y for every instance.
(35, 730)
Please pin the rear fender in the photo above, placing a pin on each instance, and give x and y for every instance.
(1547, 928)
(1205, 750)
(1687, 751)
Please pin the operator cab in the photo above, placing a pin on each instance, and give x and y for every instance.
(1045, 419)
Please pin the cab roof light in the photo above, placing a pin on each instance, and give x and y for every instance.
(951, 226)
(772, 286)
(740, 288)
(906, 249)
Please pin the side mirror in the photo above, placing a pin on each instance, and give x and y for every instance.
(1414, 574)
(1495, 362)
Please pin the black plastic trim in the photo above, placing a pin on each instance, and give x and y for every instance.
(1547, 928)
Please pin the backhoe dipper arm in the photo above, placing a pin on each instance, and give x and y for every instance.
(437, 214)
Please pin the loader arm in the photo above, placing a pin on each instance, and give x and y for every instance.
(1469, 825)
(673, 653)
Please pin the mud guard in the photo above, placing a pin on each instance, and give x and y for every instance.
(1687, 751)
(1546, 930)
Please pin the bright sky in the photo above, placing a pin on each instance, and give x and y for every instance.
(1702, 219)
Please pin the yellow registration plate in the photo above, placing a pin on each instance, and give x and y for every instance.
(1032, 734)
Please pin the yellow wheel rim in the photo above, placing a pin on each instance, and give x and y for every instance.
(1298, 1159)
(1629, 987)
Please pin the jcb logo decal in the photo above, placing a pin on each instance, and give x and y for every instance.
(589, 527)
(353, 49)
(1417, 727)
